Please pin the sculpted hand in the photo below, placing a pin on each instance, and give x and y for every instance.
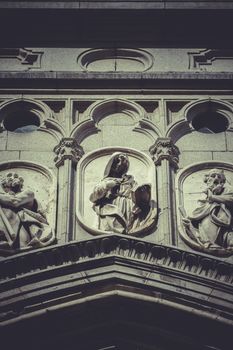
(112, 183)
(209, 196)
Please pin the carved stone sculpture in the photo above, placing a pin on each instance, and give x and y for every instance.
(165, 149)
(121, 204)
(210, 227)
(68, 148)
(23, 223)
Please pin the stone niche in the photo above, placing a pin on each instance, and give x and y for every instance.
(198, 216)
(115, 60)
(40, 182)
(90, 172)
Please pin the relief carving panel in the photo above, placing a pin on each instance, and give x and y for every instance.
(206, 207)
(27, 207)
(116, 192)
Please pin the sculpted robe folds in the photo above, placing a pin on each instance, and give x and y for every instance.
(116, 199)
(22, 222)
(214, 219)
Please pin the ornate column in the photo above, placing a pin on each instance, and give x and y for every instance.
(68, 153)
(166, 157)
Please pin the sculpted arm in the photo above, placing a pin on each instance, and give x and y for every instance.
(222, 198)
(19, 200)
(6, 199)
(102, 189)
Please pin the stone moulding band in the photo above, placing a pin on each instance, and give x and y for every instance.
(168, 257)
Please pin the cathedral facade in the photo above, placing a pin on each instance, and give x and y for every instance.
(116, 174)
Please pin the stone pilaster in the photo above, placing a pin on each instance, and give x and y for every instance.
(166, 157)
(68, 153)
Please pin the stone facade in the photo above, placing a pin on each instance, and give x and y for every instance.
(116, 179)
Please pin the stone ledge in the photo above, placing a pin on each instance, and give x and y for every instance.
(64, 75)
(114, 4)
(40, 281)
(171, 257)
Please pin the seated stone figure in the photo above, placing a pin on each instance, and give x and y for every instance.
(211, 224)
(23, 223)
(121, 205)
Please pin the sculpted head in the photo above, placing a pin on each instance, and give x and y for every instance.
(117, 166)
(12, 182)
(120, 165)
(215, 180)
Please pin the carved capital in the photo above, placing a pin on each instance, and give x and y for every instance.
(68, 148)
(165, 149)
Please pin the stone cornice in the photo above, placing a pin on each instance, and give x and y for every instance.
(85, 80)
(123, 4)
(59, 276)
(74, 75)
(170, 257)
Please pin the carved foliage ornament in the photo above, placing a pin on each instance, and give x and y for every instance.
(209, 227)
(165, 149)
(68, 148)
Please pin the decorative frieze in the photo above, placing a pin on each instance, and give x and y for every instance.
(168, 257)
(165, 149)
(68, 148)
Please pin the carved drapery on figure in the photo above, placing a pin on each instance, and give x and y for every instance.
(68, 148)
(23, 223)
(210, 226)
(121, 204)
(165, 149)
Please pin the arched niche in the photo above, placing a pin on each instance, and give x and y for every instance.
(25, 116)
(115, 60)
(194, 111)
(115, 122)
(90, 171)
(204, 131)
(40, 181)
(37, 110)
(191, 195)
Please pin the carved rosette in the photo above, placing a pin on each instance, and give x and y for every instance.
(165, 149)
(68, 148)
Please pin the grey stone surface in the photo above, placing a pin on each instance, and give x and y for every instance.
(3, 141)
(229, 141)
(223, 156)
(123, 4)
(198, 141)
(190, 157)
(10, 155)
(43, 157)
(31, 141)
